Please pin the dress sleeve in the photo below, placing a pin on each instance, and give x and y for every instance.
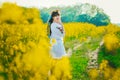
(56, 31)
(63, 31)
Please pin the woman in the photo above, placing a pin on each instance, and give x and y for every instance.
(57, 33)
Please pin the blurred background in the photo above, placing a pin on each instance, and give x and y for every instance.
(92, 40)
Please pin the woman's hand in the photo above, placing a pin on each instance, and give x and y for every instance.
(61, 29)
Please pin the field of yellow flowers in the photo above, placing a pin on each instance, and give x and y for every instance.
(25, 48)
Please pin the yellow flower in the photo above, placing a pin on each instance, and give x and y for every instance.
(53, 41)
(111, 42)
(93, 73)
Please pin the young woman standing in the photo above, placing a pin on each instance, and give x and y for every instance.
(57, 33)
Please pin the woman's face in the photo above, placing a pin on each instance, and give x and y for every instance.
(56, 18)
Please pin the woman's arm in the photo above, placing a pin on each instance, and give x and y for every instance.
(56, 30)
(62, 30)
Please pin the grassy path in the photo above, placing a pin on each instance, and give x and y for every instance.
(81, 55)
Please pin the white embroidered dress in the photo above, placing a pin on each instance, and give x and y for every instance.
(58, 49)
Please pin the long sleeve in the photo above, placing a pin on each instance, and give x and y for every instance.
(56, 33)
(63, 30)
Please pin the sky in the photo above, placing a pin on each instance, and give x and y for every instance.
(110, 7)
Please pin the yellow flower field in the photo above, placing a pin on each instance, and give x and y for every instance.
(25, 46)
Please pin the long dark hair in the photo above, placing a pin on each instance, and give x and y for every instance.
(50, 20)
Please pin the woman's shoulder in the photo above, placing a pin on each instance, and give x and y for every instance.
(55, 24)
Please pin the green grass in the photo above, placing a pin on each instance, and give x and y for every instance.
(112, 57)
(79, 64)
(79, 58)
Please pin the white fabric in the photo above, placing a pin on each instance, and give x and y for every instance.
(58, 49)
